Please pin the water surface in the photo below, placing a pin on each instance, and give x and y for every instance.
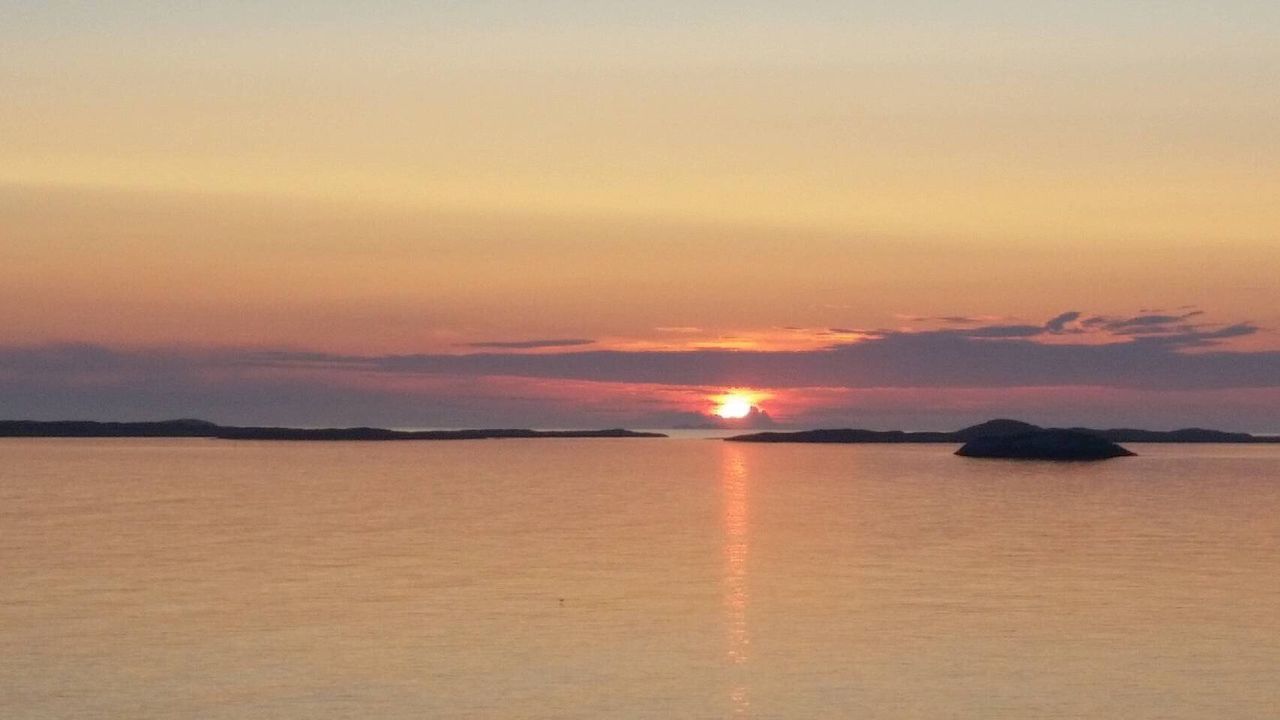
(633, 579)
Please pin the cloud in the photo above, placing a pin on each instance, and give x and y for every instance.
(297, 386)
(1148, 326)
(989, 356)
(1168, 329)
(530, 344)
(1145, 323)
(1000, 331)
(1059, 323)
(1188, 336)
(956, 319)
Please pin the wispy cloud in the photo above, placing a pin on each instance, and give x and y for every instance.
(529, 344)
(1060, 322)
(984, 356)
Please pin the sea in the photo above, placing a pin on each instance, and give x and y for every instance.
(632, 579)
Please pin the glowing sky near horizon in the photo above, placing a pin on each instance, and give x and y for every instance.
(449, 177)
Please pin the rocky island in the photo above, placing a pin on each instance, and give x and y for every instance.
(1043, 445)
(1000, 428)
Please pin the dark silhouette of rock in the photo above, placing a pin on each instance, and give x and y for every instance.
(845, 435)
(191, 428)
(88, 428)
(188, 428)
(1043, 445)
(380, 434)
(1185, 435)
(995, 428)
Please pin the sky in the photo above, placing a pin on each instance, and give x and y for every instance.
(913, 214)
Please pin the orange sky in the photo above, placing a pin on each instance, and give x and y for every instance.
(143, 269)
(420, 178)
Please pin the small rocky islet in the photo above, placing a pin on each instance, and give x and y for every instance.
(1016, 440)
(1064, 445)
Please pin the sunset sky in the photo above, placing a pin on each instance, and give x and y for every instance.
(914, 214)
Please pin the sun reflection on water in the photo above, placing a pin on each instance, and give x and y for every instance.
(733, 482)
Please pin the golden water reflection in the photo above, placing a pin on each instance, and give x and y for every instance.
(734, 486)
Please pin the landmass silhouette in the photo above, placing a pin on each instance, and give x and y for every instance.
(1043, 445)
(1017, 440)
(1000, 428)
(194, 428)
(188, 428)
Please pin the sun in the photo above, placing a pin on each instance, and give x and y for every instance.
(734, 406)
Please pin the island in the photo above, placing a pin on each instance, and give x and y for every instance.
(1043, 445)
(1000, 428)
(187, 428)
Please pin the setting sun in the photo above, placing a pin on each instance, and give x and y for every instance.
(734, 405)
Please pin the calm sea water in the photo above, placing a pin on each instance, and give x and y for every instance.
(633, 579)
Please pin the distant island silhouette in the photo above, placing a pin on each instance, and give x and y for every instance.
(999, 428)
(188, 428)
(192, 428)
